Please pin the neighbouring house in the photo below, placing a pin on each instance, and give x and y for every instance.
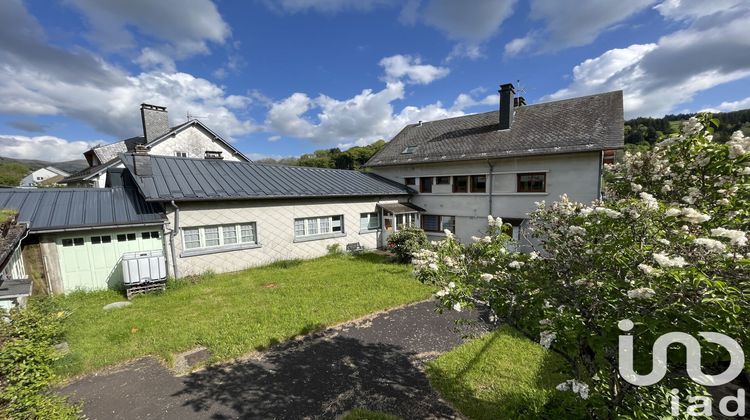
(228, 215)
(190, 139)
(46, 176)
(15, 286)
(501, 162)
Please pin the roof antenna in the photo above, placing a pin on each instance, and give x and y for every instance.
(519, 89)
(192, 117)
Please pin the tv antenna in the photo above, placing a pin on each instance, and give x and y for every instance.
(189, 116)
(519, 88)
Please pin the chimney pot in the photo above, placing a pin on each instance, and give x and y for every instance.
(519, 101)
(155, 121)
(507, 92)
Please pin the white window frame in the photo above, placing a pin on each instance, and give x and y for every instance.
(318, 227)
(181, 154)
(368, 217)
(237, 228)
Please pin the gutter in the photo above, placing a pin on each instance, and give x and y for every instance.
(172, 235)
(489, 187)
(94, 227)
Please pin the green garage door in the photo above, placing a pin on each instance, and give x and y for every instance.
(91, 260)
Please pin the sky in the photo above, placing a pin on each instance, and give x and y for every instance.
(283, 78)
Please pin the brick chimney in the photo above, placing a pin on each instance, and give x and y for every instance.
(155, 121)
(507, 92)
(141, 161)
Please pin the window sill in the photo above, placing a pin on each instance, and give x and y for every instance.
(319, 237)
(521, 193)
(365, 232)
(216, 250)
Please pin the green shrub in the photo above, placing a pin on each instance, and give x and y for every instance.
(334, 249)
(407, 241)
(26, 359)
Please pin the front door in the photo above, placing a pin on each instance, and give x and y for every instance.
(389, 227)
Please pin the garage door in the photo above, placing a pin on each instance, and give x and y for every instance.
(91, 261)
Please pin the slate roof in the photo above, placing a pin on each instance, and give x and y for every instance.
(587, 123)
(47, 209)
(9, 242)
(183, 179)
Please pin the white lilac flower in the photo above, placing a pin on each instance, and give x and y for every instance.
(663, 241)
(442, 292)
(745, 170)
(486, 276)
(666, 188)
(576, 387)
(457, 307)
(648, 270)
(583, 282)
(672, 211)
(490, 220)
(432, 266)
(533, 255)
(576, 230)
(451, 285)
(641, 293)
(545, 321)
(736, 237)
(586, 211)
(723, 202)
(546, 338)
(738, 144)
(711, 244)
(694, 216)
(650, 201)
(688, 199)
(635, 187)
(608, 212)
(448, 233)
(665, 260)
(515, 264)
(487, 239)
(476, 238)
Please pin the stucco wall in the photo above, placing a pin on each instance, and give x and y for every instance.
(275, 225)
(576, 175)
(195, 142)
(31, 178)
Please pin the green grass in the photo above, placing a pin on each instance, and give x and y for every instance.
(235, 313)
(500, 375)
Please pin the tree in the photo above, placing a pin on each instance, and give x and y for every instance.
(11, 173)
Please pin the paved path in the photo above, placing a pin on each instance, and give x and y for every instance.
(372, 363)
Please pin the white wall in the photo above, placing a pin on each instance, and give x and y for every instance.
(275, 226)
(194, 141)
(576, 175)
(31, 179)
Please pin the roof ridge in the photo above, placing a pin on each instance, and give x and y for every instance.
(249, 163)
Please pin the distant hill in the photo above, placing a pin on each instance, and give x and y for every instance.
(648, 130)
(352, 158)
(69, 166)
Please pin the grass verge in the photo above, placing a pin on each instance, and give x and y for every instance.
(500, 375)
(235, 313)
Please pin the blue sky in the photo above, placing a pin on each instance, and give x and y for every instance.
(282, 78)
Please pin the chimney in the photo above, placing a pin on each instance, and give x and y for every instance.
(155, 121)
(506, 105)
(141, 161)
(519, 101)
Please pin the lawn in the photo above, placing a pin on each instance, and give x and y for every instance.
(500, 375)
(235, 313)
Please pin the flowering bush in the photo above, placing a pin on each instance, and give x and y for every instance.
(667, 250)
(406, 242)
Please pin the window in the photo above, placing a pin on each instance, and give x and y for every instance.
(77, 241)
(121, 238)
(425, 184)
(406, 220)
(369, 221)
(96, 240)
(410, 181)
(442, 180)
(460, 184)
(180, 154)
(211, 154)
(532, 182)
(435, 223)
(313, 226)
(131, 236)
(608, 156)
(219, 236)
(478, 183)
(106, 239)
(72, 242)
(155, 235)
(409, 150)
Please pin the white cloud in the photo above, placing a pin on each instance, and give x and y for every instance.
(47, 148)
(692, 9)
(658, 77)
(40, 79)
(186, 25)
(398, 67)
(571, 26)
(517, 45)
(467, 21)
(359, 120)
(728, 106)
(151, 59)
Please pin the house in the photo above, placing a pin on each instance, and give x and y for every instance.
(190, 139)
(44, 176)
(501, 162)
(15, 286)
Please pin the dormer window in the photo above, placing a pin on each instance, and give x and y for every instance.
(180, 154)
(210, 154)
(409, 150)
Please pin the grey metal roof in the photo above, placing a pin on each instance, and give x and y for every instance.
(69, 208)
(15, 288)
(582, 124)
(399, 208)
(215, 179)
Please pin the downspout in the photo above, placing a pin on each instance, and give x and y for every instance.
(489, 187)
(172, 236)
(601, 174)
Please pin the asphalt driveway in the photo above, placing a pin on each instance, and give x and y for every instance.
(373, 363)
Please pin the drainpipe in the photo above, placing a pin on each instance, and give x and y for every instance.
(489, 187)
(601, 174)
(173, 234)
